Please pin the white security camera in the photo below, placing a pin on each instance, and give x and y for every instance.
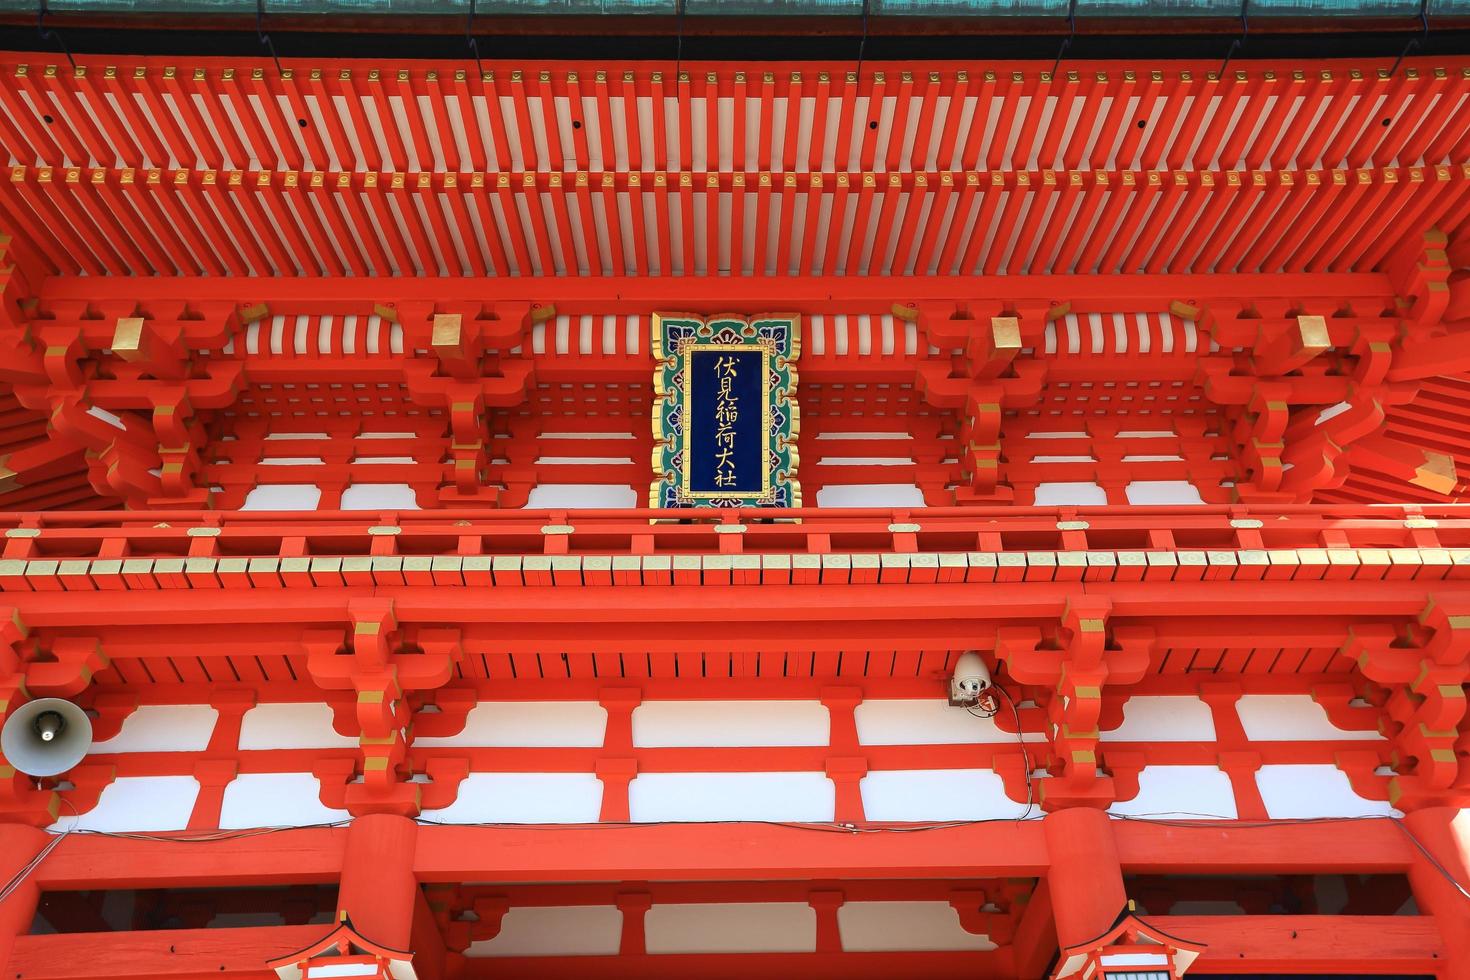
(971, 679)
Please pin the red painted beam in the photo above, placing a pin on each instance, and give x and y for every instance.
(1342, 944)
(724, 852)
(303, 856)
(1210, 847)
(183, 954)
(637, 294)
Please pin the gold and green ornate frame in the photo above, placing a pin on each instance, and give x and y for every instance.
(676, 337)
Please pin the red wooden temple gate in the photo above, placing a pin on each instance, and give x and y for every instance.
(325, 425)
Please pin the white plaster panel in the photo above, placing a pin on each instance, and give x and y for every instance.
(555, 930)
(335, 970)
(1163, 719)
(659, 724)
(529, 724)
(925, 721)
(1154, 492)
(703, 796)
(275, 799)
(1303, 791)
(524, 797)
(138, 803)
(291, 725)
(379, 496)
(285, 496)
(1070, 494)
(163, 728)
(871, 495)
(1198, 791)
(602, 496)
(732, 927)
(1291, 718)
(936, 794)
(874, 927)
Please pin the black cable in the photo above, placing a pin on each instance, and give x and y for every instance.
(1238, 43)
(472, 41)
(678, 42)
(1414, 42)
(1025, 753)
(265, 39)
(1433, 861)
(862, 44)
(1066, 41)
(50, 33)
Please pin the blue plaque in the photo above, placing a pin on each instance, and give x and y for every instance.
(724, 437)
(725, 415)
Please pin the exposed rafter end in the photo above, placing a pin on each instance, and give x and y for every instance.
(1437, 473)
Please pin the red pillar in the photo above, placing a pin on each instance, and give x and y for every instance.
(378, 885)
(1445, 833)
(18, 845)
(1086, 884)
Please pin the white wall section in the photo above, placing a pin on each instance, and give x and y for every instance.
(1163, 719)
(937, 794)
(874, 927)
(163, 728)
(734, 927)
(524, 797)
(268, 496)
(1194, 791)
(529, 724)
(701, 796)
(275, 799)
(925, 721)
(1291, 718)
(1070, 494)
(291, 725)
(730, 723)
(1155, 492)
(871, 495)
(1299, 792)
(572, 930)
(138, 803)
(379, 496)
(600, 496)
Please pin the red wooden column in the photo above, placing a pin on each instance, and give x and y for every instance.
(1086, 883)
(1445, 833)
(18, 845)
(378, 886)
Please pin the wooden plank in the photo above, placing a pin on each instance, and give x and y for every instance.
(236, 953)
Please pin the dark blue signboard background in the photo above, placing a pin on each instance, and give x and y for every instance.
(704, 397)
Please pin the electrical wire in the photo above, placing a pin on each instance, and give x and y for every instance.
(1025, 753)
(265, 39)
(1414, 43)
(1433, 861)
(472, 42)
(51, 33)
(20, 876)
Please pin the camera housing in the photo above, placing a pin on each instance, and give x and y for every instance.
(971, 680)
